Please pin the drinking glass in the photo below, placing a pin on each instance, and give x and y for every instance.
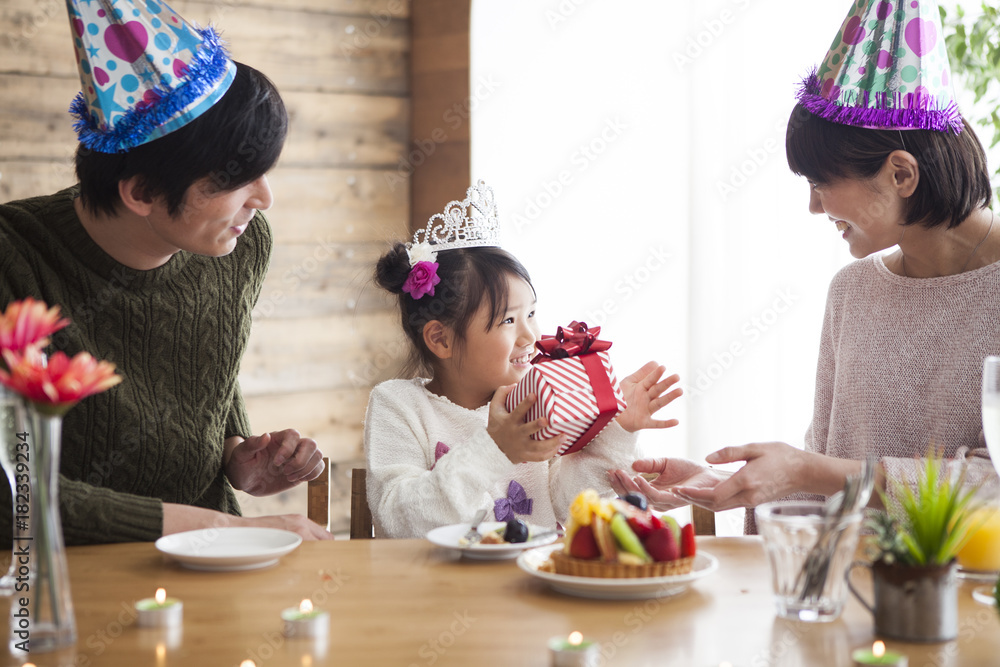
(791, 529)
(986, 541)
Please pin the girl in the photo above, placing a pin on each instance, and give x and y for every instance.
(441, 447)
(905, 332)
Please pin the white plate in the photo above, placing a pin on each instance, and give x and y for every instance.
(448, 537)
(228, 549)
(616, 589)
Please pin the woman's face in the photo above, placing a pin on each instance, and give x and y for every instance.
(869, 214)
(210, 221)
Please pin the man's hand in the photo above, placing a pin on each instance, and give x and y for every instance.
(273, 462)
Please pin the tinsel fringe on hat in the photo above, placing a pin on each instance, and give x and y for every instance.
(889, 111)
(207, 66)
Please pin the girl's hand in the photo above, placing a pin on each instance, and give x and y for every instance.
(644, 395)
(513, 436)
(670, 473)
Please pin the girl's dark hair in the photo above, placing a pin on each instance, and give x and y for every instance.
(235, 142)
(954, 179)
(470, 277)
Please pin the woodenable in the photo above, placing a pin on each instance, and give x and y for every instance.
(402, 602)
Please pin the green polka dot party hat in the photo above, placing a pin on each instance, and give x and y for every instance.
(887, 68)
(145, 71)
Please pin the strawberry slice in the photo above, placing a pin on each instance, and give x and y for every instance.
(584, 545)
(641, 525)
(688, 547)
(662, 545)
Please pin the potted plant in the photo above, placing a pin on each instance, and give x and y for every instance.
(914, 570)
(973, 42)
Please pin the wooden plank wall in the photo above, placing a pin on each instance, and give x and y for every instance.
(441, 119)
(322, 334)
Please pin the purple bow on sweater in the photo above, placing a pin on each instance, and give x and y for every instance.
(516, 501)
(439, 450)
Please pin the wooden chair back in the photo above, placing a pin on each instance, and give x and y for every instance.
(362, 527)
(318, 502)
(703, 520)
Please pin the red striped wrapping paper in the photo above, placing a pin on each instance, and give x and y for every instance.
(567, 398)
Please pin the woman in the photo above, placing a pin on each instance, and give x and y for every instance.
(905, 333)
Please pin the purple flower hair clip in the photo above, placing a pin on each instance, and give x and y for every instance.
(423, 271)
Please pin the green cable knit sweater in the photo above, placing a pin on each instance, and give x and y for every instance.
(176, 335)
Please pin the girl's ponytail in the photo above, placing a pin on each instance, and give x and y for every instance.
(392, 269)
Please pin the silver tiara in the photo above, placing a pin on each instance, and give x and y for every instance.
(470, 223)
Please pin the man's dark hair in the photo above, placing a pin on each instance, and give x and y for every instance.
(954, 178)
(235, 142)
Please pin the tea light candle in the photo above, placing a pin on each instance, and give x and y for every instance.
(305, 621)
(159, 612)
(573, 651)
(877, 655)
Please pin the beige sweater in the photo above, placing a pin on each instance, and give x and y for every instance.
(900, 368)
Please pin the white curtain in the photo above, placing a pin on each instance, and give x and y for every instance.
(636, 148)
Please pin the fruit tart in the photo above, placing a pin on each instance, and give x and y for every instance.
(622, 538)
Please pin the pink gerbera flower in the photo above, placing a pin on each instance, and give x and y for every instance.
(58, 385)
(28, 322)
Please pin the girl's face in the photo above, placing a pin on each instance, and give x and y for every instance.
(500, 355)
(869, 215)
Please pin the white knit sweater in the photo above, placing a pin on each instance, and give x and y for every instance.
(411, 490)
(900, 368)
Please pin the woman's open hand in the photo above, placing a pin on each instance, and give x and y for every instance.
(670, 473)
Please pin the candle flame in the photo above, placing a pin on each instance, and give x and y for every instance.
(161, 651)
(575, 638)
(248, 663)
(306, 606)
(161, 595)
(878, 649)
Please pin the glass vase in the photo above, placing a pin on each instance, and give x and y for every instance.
(41, 611)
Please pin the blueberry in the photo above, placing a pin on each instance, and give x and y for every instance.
(636, 499)
(516, 531)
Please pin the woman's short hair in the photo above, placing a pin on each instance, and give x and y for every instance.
(235, 142)
(954, 179)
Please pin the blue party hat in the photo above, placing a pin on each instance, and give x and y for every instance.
(145, 71)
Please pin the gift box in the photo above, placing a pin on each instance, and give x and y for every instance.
(575, 386)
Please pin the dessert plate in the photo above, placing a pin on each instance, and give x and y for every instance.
(616, 589)
(228, 549)
(449, 536)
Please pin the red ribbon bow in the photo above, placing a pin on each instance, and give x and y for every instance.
(574, 340)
